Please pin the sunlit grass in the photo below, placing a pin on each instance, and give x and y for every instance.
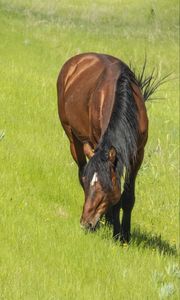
(44, 254)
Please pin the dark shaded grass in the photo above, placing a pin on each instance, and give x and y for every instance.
(139, 238)
(152, 241)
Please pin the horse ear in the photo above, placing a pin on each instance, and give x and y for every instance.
(112, 155)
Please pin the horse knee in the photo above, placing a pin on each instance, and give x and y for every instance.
(127, 201)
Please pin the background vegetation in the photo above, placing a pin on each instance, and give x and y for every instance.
(43, 252)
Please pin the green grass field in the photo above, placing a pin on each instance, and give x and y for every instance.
(44, 254)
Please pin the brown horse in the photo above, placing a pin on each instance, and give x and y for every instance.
(102, 110)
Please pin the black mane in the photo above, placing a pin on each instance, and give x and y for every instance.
(99, 163)
(121, 133)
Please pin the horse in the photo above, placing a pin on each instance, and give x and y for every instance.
(101, 106)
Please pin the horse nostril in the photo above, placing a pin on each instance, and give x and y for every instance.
(86, 225)
(90, 225)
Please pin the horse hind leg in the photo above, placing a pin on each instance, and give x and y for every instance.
(77, 152)
(76, 148)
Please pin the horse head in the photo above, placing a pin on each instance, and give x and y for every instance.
(101, 187)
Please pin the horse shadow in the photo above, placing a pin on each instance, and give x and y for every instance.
(146, 240)
(152, 241)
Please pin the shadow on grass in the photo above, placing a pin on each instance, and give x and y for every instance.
(141, 239)
(152, 241)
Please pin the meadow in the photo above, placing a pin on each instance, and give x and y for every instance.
(44, 254)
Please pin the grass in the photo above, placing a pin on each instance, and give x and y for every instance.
(44, 254)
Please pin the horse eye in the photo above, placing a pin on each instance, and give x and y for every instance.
(83, 179)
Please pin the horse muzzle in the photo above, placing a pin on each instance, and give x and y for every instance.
(90, 225)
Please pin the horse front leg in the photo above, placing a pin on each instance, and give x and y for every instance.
(116, 221)
(127, 203)
(128, 198)
(112, 218)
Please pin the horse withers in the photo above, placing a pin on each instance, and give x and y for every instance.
(102, 110)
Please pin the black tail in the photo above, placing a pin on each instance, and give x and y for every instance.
(149, 84)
